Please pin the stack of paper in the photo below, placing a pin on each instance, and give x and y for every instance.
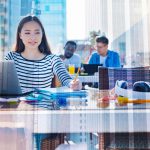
(9, 99)
(61, 92)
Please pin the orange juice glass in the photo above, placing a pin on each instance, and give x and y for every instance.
(71, 69)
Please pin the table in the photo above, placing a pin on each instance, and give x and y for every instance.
(90, 78)
(69, 121)
(83, 119)
(84, 79)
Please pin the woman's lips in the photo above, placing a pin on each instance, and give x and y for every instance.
(32, 43)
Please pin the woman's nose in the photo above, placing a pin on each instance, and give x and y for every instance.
(33, 36)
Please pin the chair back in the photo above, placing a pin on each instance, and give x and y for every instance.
(109, 76)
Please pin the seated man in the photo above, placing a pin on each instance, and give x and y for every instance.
(104, 56)
(70, 56)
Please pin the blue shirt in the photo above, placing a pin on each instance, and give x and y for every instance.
(112, 60)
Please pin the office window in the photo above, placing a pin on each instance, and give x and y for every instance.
(2, 8)
(2, 31)
(122, 21)
(26, 7)
(37, 1)
(47, 8)
(2, 42)
(2, 19)
(56, 7)
(125, 22)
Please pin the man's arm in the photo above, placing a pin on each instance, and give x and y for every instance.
(117, 60)
(91, 60)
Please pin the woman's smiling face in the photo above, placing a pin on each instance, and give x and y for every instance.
(31, 35)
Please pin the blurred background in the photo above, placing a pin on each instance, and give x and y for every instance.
(125, 22)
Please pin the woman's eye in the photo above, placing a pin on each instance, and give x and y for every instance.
(27, 33)
(37, 33)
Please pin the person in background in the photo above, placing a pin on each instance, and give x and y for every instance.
(103, 56)
(70, 56)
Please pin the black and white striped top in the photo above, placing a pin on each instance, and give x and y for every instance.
(39, 73)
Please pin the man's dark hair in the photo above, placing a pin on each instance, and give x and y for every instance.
(71, 43)
(102, 39)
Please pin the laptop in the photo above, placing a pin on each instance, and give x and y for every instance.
(9, 82)
(90, 69)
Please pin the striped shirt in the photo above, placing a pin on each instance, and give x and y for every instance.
(39, 73)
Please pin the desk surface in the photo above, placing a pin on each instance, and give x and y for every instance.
(93, 78)
(78, 119)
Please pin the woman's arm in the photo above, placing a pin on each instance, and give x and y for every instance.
(61, 72)
(9, 56)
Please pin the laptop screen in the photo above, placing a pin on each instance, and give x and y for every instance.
(90, 69)
(9, 83)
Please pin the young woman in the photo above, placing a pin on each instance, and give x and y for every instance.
(35, 64)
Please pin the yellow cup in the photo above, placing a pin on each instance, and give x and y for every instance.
(71, 69)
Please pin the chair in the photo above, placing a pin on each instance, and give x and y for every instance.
(52, 141)
(107, 80)
(109, 76)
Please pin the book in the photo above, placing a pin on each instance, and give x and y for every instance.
(61, 92)
(4, 100)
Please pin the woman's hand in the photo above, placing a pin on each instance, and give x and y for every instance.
(76, 85)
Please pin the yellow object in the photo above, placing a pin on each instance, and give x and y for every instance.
(122, 100)
(71, 69)
(139, 101)
(12, 103)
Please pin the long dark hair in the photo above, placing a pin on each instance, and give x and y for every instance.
(19, 46)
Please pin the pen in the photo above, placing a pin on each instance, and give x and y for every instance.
(134, 101)
(76, 75)
(138, 101)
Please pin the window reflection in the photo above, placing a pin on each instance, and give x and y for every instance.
(124, 22)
